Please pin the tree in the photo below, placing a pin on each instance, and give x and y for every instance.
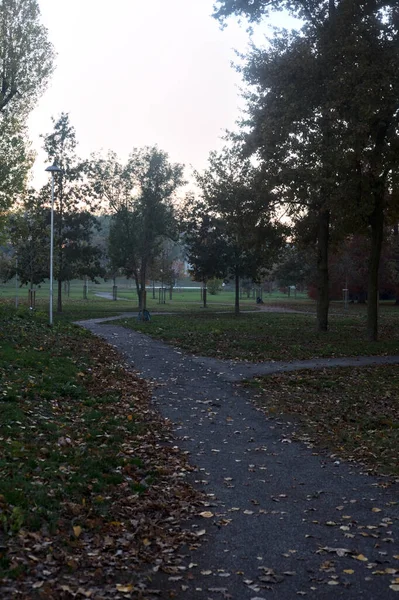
(26, 56)
(28, 232)
(207, 249)
(294, 268)
(238, 213)
(331, 92)
(26, 64)
(142, 198)
(15, 163)
(75, 255)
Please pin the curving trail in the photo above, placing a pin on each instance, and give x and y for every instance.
(286, 521)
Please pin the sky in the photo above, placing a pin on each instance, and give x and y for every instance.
(136, 72)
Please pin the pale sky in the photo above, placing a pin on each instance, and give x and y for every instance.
(140, 72)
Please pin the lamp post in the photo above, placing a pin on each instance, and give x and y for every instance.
(52, 169)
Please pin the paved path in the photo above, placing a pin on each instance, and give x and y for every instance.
(287, 521)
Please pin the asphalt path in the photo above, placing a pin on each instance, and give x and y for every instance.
(284, 519)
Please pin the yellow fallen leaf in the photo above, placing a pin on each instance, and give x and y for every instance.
(130, 417)
(376, 509)
(333, 582)
(394, 587)
(391, 571)
(207, 514)
(124, 588)
(349, 571)
(361, 557)
(146, 542)
(77, 530)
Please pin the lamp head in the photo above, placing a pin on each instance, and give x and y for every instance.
(54, 169)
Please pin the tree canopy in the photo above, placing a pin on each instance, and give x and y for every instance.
(26, 64)
(323, 120)
(230, 229)
(140, 195)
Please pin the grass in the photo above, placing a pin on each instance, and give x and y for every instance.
(46, 406)
(272, 336)
(183, 299)
(354, 413)
(79, 443)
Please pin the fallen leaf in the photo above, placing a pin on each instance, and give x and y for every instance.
(206, 514)
(124, 588)
(337, 551)
(77, 530)
(361, 557)
(146, 542)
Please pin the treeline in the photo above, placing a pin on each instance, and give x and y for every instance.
(308, 182)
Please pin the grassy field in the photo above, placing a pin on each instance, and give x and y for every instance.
(353, 413)
(181, 296)
(79, 446)
(272, 336)
(99, 304)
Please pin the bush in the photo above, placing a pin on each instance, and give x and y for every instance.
(214, 286)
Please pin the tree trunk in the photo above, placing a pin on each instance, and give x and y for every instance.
(137, 282)
(322, 269)
(59, 297)
(377, 234)
(142, 291)
(396, 234)
(237, 296)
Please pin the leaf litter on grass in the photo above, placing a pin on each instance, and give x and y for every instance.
(353, 412)
(98, 502)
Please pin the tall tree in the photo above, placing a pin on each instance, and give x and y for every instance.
(75, 255)
(331, 91)
(26, 64)
(15, 162)
(26, 56)
(240, 210)
(144, 213)
(206, 246)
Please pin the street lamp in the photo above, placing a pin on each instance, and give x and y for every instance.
(52, 169)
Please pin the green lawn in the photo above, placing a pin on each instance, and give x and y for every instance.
(182, 299)
(354, 413)
(272, 336)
